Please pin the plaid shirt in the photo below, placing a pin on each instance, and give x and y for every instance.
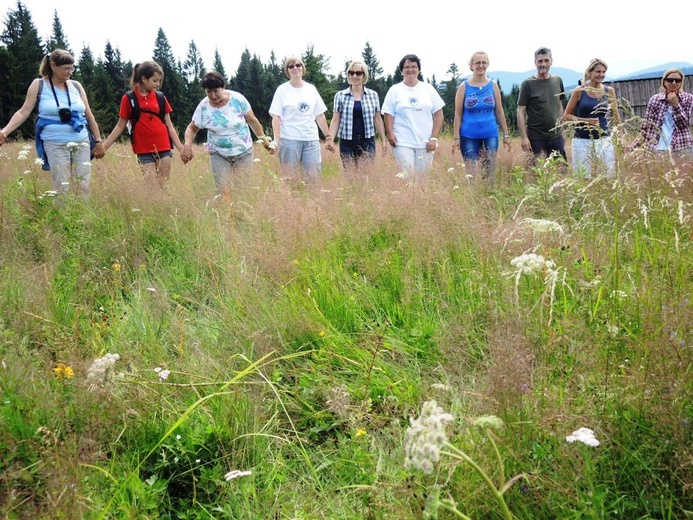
(657, 108)
(344, 104)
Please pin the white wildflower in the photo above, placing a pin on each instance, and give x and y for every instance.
(585, 436)
(619, 294)
(256, 160)
(543, 225)
(451, 170)
(456, 187)
(441, 387)
(22, 155)
(38, 161)
(425, 436)
(163, 374)
(72, 146)
(151, 289)
(529, 263)
(101, 370)
(488, 421)
(26, 147)
(236, 473)
(401, 175)
(86, 164)
(469, 176)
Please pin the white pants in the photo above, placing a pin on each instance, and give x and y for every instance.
(70, 169)
(413, 160)
(594, 156)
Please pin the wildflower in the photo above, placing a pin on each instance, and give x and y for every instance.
(101, 370)
(63, 371)
(177, 436)
(360, 432)
(151, 289)
(22, 155)
(116, 267)
(401, 175)
(87, 163)
(543, 225)
(425, 436)
(456, 187)
(488, 421)
(135, 210)
(38, 161)
(26, 147)
(451, 169)
(236, 473)
(585, 436)
(322, 333)
(469, 177)
(440, 386)
(338, 403)
(72, 146)
(163, 374)
(530, 263)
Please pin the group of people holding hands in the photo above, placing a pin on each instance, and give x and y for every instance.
(410, 120)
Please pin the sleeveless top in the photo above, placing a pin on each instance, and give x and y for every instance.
(590, 107)
(479, 112)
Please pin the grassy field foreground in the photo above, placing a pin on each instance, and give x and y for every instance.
(268, 356)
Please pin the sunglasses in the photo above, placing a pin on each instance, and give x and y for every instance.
(293, 65)
(673, 80)
(355, 73)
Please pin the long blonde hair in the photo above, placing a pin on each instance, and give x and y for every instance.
(593, 65)
(662, 88)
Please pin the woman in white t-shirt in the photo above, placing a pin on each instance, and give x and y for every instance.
(228, 118)
(413, 113)
(295, 110)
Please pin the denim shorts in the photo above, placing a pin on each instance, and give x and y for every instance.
(148, 158)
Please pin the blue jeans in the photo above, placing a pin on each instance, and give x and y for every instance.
(293, 154)
(360, 147)
(484, 150)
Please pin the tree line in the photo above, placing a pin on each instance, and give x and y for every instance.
(107, 78)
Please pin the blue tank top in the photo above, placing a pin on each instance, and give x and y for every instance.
(593, 107)
(479, 112)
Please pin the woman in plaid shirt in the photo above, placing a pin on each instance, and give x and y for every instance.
(356, 117)
(667, 123)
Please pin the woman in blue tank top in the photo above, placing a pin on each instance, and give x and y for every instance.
(591, 110)
(478, 114)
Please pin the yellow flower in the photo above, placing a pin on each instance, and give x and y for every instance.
(116, 267)
(63, 371)
(322, 333)
(360, 432)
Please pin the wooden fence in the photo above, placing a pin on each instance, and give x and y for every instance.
(637, 92)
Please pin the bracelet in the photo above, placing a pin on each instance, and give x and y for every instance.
(433, 139)
(506, 136)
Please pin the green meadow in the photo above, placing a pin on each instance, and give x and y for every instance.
(168, 355)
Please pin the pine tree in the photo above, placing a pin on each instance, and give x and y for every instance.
(448, 89)
(57, 40)
(375, 71)
(173, 85)
(219, 66)
(315, 65)
(194, 70)
(20, 62)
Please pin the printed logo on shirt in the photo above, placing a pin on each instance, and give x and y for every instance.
(303, 107)
(413, 101)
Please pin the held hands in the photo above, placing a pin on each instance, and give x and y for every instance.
(329, 144)
(268, 144)
(187, 154)
(99, 151)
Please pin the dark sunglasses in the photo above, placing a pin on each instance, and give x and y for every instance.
(299, 65)
(355, 73)
(673, 80)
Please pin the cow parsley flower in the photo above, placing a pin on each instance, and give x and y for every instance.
(236, 473)
(425, 436)
(585, 436)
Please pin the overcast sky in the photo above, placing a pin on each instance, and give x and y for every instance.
(620, 33)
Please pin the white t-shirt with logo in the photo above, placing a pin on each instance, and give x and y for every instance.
(297, 108)
(412, 109)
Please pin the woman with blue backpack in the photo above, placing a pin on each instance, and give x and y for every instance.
(64, 124)
(147, 112)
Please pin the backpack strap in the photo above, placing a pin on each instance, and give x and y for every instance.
(162, 105)
(134, 104)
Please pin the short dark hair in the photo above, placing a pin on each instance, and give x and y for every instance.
(542, 50)
(410, 57)
(213, 80)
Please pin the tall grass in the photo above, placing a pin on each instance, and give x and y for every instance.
(304, 325)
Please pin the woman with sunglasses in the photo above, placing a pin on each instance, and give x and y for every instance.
(295, 109)
(667, 123)
(478, 114)
(63, 125)
(356, 117)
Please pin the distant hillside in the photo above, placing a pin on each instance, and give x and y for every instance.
(506, 80)
(658, 70)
